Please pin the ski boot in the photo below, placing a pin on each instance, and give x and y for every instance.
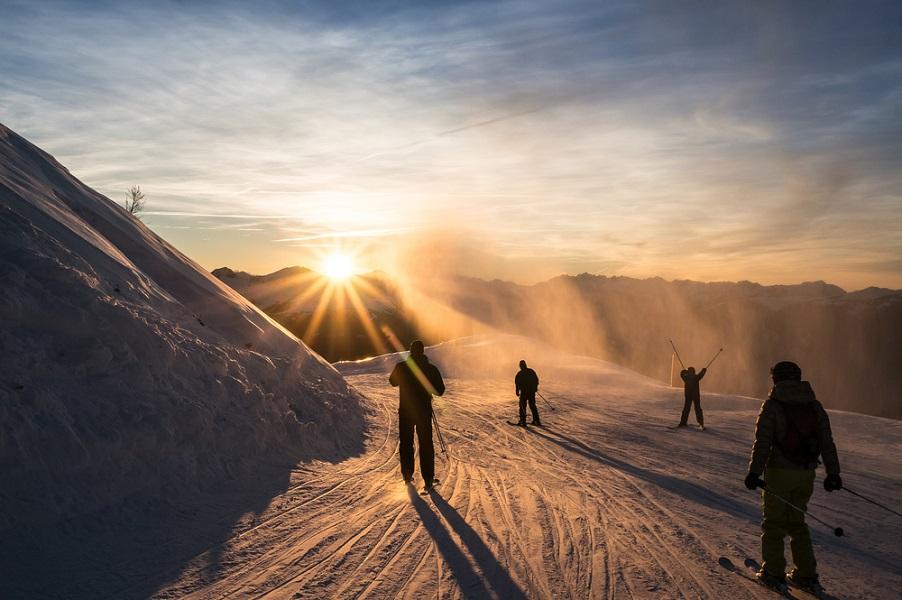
(773, 582)
(521, 423)
(536, 422)
(806, 584)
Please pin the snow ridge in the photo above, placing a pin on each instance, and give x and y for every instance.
(127, 367)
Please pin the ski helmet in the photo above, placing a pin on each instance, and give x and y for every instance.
(786, 370)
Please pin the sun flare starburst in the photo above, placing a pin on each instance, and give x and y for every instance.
(338, 266)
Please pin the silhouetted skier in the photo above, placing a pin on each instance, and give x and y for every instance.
(792, 432)
(527, 384)
(419, 380)
(692, 395)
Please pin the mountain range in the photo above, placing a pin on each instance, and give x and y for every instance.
(849, 344)
(357, 318)
(161, 437)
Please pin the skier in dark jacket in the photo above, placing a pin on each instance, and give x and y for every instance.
(418, 380)
(792, 432)
(527, 384)
(692, 395)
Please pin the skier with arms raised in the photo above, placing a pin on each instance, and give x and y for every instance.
(692, 396)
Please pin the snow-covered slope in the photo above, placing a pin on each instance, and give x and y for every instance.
(603, 502)
(127, 370)
(126, 367)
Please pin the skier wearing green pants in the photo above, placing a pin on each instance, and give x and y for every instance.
(792, 432)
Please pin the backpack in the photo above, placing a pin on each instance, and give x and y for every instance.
(800, 444)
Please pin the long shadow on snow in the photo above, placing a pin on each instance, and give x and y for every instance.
(703, 495)
(137, 547)
(471, 584)
(687, 489)
(733, 436)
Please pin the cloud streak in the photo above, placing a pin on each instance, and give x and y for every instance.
(719, 141)
(367, 233)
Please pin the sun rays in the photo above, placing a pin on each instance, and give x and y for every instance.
(338, 266)
(342, 294)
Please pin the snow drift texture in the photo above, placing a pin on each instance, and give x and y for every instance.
(126, 366)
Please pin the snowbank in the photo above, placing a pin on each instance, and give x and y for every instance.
(127, 367)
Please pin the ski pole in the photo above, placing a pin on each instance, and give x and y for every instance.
(837, 531)
(710, 362)
(441, 440)
(874, 502)
(677, 354)
(546, 400)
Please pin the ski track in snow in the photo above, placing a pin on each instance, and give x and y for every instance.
(181, 386)
(604, 502)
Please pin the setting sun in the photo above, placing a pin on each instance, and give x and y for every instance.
(338, 266)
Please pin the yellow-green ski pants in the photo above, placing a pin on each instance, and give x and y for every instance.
(780, 520)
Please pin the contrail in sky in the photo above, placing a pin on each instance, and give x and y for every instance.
(448, 132)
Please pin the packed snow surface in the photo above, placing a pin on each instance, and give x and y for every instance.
(160, 437)
(129, 371)
(603, 502)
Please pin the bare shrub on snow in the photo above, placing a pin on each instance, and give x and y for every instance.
(134, 200)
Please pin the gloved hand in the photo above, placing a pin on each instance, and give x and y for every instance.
(833, 482)
(752, 481)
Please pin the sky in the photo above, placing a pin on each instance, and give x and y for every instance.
(519, 140)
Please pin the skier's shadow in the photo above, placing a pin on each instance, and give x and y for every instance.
(675, 485)
(694, 492)
(132, 549)
(472, 585)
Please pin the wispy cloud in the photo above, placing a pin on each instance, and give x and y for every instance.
(721, 140)
(366, 233)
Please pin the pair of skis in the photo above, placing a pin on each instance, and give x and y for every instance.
(425, 491)
(751, 569)
(525, 425)
(675, 427)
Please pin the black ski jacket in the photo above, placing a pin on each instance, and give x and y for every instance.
(419, 380)
(526, 382)
(691, 383)
(772, 424)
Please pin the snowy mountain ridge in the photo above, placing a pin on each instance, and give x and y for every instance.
(132, 380)
(294, 294)
(128, 367)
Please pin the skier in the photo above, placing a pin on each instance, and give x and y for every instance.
(419, 380)
(792, 431)
(692, 395)
(527, 384)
